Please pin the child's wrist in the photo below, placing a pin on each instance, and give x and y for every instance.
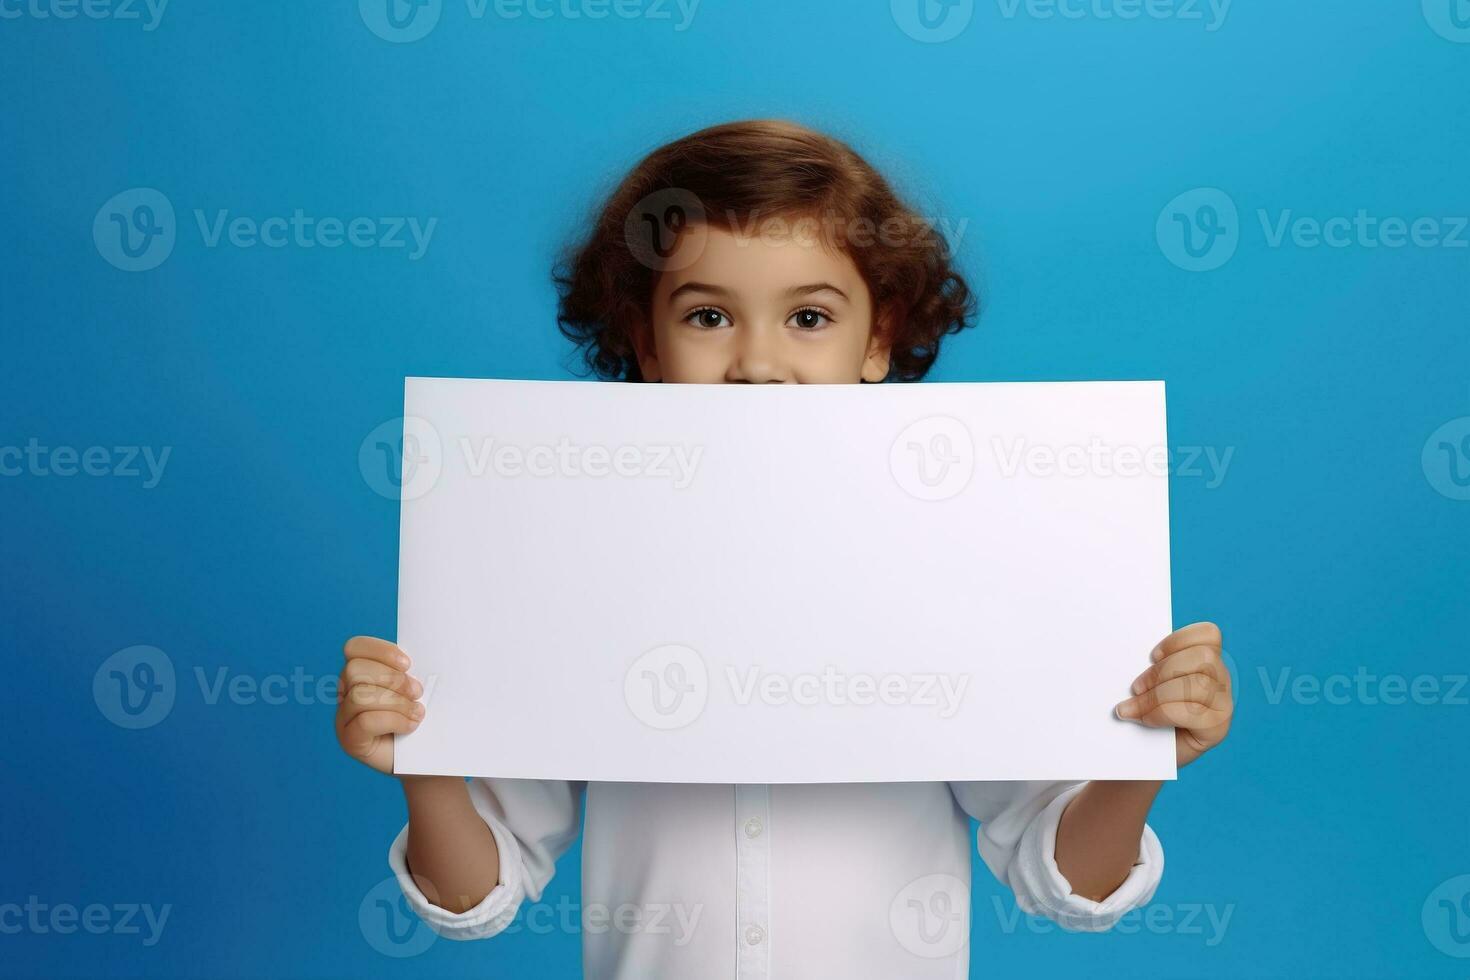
(421, 791)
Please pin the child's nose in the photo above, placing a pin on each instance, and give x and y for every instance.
(757, 357)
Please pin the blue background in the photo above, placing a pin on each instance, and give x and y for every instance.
(1322, 828)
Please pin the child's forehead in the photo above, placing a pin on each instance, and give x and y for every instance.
(769, 254)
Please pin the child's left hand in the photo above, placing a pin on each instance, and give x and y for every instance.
(1188, 687)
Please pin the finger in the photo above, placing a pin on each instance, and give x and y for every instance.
(372, 648)
(362, 671)
(369, 696)
(1194, 660)
(1185, 715)
(365, 697)
(1195, 634)
(1200, 690)
(369, 725)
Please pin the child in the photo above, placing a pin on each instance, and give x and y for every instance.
(763, 252)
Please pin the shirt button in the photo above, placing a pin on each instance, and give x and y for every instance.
(753, 827)
(754, 935)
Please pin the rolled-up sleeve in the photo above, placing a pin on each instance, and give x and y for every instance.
(1018, 839)
(533, 823)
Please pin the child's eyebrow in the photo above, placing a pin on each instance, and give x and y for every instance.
(698, 287)
(816, 287)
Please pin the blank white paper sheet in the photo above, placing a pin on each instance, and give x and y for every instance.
(783, 583)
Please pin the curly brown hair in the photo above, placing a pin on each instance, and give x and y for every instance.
(743, 172)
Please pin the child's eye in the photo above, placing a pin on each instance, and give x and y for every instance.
(707, 318)
(809, 318)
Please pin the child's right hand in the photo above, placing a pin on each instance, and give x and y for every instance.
(376, 699)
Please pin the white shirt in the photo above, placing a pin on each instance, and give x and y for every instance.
(849, 880)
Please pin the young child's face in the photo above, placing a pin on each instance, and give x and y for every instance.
(759, 309)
